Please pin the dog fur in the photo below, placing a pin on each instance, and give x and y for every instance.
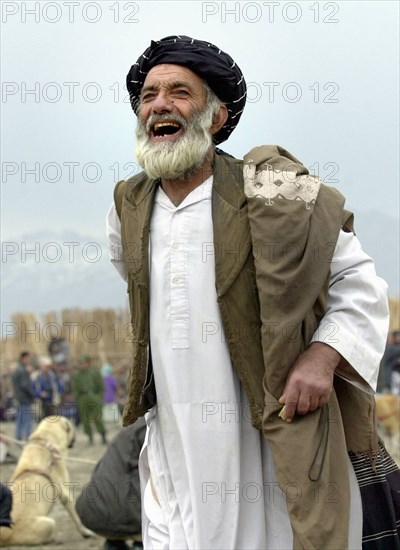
(40, 479)
(388, 416)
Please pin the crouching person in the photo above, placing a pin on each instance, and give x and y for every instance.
(110, 503)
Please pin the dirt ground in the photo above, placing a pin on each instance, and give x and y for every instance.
(67, 536)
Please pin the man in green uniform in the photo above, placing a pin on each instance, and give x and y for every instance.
(88, 388)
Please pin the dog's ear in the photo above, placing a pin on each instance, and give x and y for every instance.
(66, 423)
(71, 433)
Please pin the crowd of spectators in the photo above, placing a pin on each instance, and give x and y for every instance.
(42, 386)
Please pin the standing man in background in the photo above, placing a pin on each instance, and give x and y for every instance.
(24, 394)
(48, 387)
(88, 389)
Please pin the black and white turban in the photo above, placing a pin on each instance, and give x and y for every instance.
(216, 67)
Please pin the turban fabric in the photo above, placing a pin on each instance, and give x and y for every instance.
(216, 67)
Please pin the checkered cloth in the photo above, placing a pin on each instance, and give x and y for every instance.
(380, 494)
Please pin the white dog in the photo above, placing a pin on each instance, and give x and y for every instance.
(39, 480)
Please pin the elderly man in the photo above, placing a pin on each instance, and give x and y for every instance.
(255, 350)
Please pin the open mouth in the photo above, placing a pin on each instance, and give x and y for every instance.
(165, 128)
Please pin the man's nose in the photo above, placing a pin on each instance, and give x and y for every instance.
(162, 103)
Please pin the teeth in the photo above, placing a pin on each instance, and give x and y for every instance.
(158, 125)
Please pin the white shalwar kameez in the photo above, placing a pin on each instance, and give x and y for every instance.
(213, 484)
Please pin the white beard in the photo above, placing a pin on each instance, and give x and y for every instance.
(178, 159)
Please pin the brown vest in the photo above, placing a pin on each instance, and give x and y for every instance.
(271, 290)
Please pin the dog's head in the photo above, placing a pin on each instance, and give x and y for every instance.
(57, 429)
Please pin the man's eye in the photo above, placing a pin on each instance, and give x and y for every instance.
(181, 92)
(147, 97)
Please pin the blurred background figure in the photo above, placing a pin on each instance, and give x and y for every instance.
(5, 505)
(110, 407)
(58, 349)
(5, 455)
(393, 361)
(122, 375)
(68, 406)
(48, 388)
(389, 372)
(88, 390)
(7, 407)
(384, 383)
(24, 394)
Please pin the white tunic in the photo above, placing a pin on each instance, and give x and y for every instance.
(211, 471)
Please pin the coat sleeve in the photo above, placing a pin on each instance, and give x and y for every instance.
(356, 320)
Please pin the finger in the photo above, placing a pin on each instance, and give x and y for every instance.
(303, 405)
(282, 398)
(323, 401)
(314, 403)
(290, 406)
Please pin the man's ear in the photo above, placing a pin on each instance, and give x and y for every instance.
(219, 119)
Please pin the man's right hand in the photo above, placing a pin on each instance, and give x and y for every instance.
(310, 380)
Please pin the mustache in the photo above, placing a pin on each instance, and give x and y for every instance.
(160, 118)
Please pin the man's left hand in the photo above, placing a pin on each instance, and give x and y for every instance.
(310, 380)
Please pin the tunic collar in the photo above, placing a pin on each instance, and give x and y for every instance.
(200, 193)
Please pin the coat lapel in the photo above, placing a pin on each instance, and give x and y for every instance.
(232, 240)
(135, 226)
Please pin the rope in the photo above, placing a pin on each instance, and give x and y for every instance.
(324, 435)
(64, 457)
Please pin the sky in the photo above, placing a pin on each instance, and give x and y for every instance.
(322, 82)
